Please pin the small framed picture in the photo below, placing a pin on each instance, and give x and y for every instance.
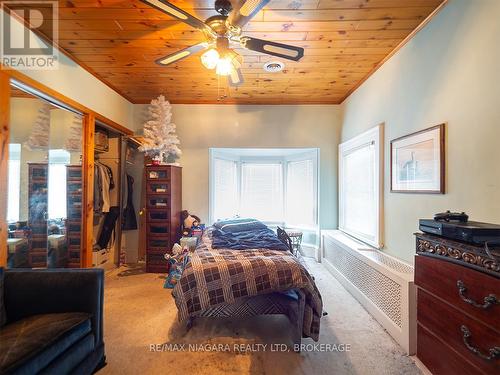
(418, 162)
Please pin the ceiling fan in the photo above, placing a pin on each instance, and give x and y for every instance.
(222, 30)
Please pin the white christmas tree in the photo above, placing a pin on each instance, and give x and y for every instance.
(39, 137)
(161, 142)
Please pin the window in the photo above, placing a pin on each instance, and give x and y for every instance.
(262, 191)
(300, 194)
(277, 186)
(225, 192)
(57, 183)
(361, 186)
(14, 183)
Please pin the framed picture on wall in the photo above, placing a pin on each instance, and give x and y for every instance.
(418, 162)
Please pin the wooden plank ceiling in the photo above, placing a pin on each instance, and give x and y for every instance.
(344, 40)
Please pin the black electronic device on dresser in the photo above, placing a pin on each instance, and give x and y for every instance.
(458, 306)
(456, 226)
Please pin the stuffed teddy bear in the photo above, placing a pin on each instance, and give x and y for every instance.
(188, 221)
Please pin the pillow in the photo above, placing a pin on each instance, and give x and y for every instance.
(3, 316)
(239, 225)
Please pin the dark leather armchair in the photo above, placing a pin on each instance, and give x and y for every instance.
(54, 322)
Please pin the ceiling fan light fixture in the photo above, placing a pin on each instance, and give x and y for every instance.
(210, 59)
(224, 66)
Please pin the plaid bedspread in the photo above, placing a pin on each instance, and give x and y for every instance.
(216, 276)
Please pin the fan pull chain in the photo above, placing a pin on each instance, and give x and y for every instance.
(220, 96)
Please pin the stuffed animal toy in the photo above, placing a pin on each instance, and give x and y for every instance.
(178, 260)
(188, 222)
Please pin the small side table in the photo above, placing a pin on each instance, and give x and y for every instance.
(296, 238)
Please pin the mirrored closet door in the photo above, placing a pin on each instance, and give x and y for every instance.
(45, 181)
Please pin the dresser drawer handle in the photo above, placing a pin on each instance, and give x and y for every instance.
(494, 352)
(490, 300)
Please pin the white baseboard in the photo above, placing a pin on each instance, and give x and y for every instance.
(423, 368)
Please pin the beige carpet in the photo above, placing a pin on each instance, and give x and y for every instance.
(140, 313)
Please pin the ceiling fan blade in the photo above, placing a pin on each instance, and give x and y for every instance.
(284, 51)
(244, 11)
(182, 54)
(181, 15)
(235, 78)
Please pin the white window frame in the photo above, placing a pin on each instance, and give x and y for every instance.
(231, 154)
(374, 136)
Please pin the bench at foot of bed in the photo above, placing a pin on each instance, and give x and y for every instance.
(290, 303)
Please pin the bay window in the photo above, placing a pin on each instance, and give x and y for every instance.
(276, 186)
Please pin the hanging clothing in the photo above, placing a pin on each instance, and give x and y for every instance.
(129, 220)
(97, 191)
(106, 202)
(109, 171)
(108, 227)
(103, 183)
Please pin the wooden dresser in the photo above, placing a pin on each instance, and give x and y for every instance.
(458, 307)
(38, 202)
(74, 189)
(163, 214)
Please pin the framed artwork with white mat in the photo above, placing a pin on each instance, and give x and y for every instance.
(418, 162)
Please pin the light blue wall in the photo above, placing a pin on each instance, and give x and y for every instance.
(268, 126)
(449, 72)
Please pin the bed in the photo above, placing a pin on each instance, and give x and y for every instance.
(246, 270)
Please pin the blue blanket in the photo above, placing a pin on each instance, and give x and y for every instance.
(263, 238)
(239, 225)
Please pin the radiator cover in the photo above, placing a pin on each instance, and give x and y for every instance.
(381, 283)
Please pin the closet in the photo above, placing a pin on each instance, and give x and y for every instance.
(115, 234)
(47, 218)
(108, 205)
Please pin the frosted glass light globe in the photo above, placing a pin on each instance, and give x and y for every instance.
(210, 59)
(224, 66)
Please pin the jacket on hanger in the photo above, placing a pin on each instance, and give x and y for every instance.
(103, 183)
(129, 220)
